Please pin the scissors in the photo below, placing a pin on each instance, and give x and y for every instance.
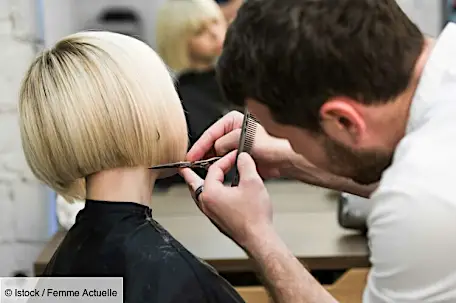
(194, 164)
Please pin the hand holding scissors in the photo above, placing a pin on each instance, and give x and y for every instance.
(188, 164)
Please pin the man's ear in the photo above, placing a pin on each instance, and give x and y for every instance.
(341, 121)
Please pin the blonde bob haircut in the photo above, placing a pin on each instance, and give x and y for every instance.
(177, 22)
(97, 101)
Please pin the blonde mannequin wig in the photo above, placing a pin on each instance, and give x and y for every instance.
(97, 101)
(177, 22)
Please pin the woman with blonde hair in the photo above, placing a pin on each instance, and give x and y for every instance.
(190, 36)
(96, 111)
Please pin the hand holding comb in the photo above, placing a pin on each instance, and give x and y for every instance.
(248, 131)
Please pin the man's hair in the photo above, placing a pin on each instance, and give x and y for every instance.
(97, 101)
(177, 22)
(294, 55)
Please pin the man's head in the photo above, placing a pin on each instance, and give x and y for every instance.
(98, 101)
(190, 33)
(330, 76)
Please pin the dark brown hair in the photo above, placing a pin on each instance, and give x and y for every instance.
(293, 55)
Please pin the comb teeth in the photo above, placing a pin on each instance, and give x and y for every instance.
(251, 116)
(249, 127)
(250, 131)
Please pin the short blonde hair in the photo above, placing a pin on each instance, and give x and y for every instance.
(177, 22)
(97, 101)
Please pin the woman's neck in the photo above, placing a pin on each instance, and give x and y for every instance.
(122, 184)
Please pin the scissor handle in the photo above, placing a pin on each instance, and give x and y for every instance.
(205, 163)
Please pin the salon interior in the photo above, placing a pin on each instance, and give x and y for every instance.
(324, 229)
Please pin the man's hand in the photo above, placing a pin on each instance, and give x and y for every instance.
(244, 213)
(271, 154)
(240, 212)
(274, 157)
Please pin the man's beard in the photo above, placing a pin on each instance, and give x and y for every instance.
(363, 167)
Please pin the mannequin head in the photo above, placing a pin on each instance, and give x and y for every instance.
(190, 34)
(98, 101)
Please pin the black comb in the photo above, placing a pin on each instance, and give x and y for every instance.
(248, 131)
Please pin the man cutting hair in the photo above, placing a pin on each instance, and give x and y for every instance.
(351, 96)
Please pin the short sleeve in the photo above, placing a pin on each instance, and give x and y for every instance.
(412, 238)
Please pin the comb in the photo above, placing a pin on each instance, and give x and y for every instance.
(249, 125)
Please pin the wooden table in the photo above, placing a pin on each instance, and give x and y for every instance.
(305, 217)
(349, 288)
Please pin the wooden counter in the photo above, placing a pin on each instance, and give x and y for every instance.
(305, 217)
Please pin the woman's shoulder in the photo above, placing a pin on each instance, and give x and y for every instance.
(168, 262)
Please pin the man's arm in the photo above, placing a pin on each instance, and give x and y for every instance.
(300, 169)
(244, 213)
(287, 280)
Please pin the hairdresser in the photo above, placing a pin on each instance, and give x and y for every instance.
(339, 88)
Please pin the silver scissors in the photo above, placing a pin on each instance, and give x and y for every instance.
(194, 164)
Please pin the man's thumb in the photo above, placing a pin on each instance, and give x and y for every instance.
(246, 167)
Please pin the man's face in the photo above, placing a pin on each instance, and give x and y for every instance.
(363, 165)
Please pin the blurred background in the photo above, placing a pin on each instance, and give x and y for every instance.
(28, 210)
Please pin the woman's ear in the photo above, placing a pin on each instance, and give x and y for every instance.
(342, 122)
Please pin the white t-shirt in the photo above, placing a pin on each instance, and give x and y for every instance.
(67, 212)
(412, 225)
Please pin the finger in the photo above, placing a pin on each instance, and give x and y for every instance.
(216, 173)
(191, 178)
(247, 168)
(210, 154)
(193, 195)
(207, 140)
(194, 183)
(228, 142)
(227, 162)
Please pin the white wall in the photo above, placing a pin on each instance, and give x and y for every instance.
(63, 17)
(23, 202)
(427, 14)
(58, 20)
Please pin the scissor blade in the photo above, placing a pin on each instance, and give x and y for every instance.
(199, 163)
(171, 165)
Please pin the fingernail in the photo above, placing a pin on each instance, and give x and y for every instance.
(242, 156)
